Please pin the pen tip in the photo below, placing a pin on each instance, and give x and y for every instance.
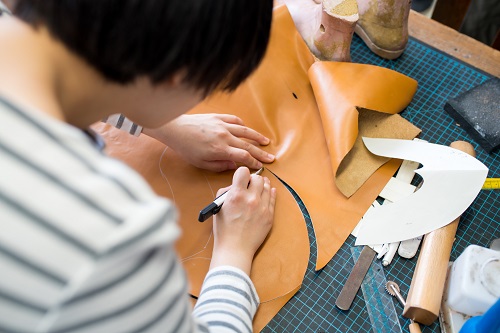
(260, 171)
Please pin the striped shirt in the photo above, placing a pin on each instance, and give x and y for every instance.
(3, 8)
(87, 246)
(121, 122)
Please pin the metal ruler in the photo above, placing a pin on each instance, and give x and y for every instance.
(379, 304)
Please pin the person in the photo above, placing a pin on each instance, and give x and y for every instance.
(222, 141)
(86, 245)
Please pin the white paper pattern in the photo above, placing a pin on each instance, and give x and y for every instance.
(452, 180)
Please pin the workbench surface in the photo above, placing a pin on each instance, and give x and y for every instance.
(443, 71)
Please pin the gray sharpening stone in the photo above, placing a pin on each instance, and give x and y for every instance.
(478, 112)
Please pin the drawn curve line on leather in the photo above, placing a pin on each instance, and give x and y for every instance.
(164, 176)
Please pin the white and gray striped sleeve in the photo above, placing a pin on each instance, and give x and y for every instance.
(121, 122)
(228, 300)
(3, 8)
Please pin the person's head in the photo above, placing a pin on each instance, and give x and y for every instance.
(215, 44)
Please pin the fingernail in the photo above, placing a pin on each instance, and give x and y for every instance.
(267, 140)
(259, 165)
(271, 157)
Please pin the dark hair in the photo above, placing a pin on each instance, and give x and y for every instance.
(218, 43)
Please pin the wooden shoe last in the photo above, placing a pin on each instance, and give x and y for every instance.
(326, 26)
(383, 26)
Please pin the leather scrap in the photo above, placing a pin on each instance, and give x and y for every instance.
(359, 163)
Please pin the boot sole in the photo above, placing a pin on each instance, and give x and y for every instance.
(386, 54)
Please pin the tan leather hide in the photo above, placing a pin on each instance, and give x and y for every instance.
(309, 111)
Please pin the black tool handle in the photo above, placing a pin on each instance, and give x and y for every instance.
(208, 211)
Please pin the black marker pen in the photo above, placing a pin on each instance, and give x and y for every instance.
(214, 206)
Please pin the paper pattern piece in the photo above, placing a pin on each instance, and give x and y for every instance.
(451, 181)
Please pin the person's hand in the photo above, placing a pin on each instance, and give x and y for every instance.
(244, 220)
(215, 142)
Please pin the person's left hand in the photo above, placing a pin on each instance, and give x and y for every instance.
(215, 142)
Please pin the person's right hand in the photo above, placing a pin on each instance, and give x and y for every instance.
(244, 220)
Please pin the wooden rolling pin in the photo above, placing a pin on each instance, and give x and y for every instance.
(427, 285)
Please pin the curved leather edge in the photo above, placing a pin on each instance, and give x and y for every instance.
(268, 310)
(340, 87)
(286, 249)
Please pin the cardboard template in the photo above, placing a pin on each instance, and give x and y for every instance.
(451, 181)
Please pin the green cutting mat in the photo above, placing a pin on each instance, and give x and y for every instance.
(440, 77)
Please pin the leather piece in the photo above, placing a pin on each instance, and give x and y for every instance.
(342, 88)
(286, 248)
(278, 101)
(359, 163)
(262, 318)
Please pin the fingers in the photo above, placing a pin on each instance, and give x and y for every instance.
(238, 147)
(241, 178)
(244, 132)
(262, 186)
(231, 156)
(229, 118)
(244, 180)
(269, 195)
(238, 129)
(217, 166)
(256, 184)
(266, 189)
(272, 201)
(247, 154)
(222, 190)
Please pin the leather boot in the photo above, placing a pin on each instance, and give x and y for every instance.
(383, 26)
(327, 27)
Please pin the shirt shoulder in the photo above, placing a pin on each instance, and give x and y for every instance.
(64, 207)
(4, 9)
